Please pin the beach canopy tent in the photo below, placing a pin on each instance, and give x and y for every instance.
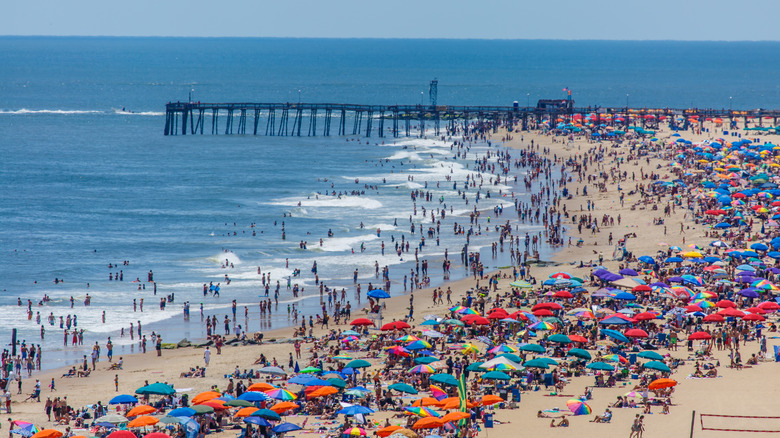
(156, 389)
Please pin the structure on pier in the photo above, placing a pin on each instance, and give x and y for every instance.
(284, 119)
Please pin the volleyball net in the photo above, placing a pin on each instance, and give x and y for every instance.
(739, 423)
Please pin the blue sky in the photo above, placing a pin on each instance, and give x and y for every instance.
(486, 19)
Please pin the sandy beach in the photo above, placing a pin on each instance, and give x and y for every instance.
(735, 391)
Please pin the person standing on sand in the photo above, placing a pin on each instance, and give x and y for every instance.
(116, 382)
(159, 345)
(207, 356)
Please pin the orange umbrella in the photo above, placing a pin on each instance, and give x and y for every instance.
(143, 420)
(78, 436)
(387, 431)
(428, 423)
(245, 412)
(324, 391)
(426, 401)
(204, 397)
(284, 406)
(662, 383)
(140, 410)
(454, 403)
(260, 386)
(455, 416)
(491, 399)
(216, 404)
(48, 433)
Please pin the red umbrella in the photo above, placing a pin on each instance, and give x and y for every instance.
(725, 303)
(543, 312)
(395, 325)
(695, 336)
(498, 313)
(475, 320)
(518, 315)
(122, 434)
(693, 308)
(563, 294)
(362, 321)
(732, 312)
(757, 310)
(714, 318)
(642, 288)
(769, 305)
(645, 316)
(753, 317)
(156, 435)
(635, 333)
(578, 338)
(555, 306)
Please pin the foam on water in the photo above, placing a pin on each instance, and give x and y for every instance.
(328, 201)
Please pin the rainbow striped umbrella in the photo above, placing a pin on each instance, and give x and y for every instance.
(541, 325)
(437, 392)
(418, 345)
(281, 394)
(397, 350)
(422, 411)
(578, 407)
(469, 348)
(467, 311)
(407, 338)
(763, 284)
(615, 358)
(422, 369)
(704, 304)
(502, 348)
(502, 367)
(457, 309)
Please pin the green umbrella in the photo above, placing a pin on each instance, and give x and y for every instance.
(359, 363)
(536, 363)
(579, 352)
(156, 389)
(242, 403)
(444, 378)
(521, 284)
(202, 409)
(656, 365)
(171, 420)
(601, 366)
(548, 361)
(649, 354)
(335, 381)
(534, 348)
(513, 357)
(559, 338)
(425, 360)
(403, 387)
(496, 375)
(475, 366)
(454, 322)
(311, 370)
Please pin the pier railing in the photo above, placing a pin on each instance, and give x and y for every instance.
(284, 119)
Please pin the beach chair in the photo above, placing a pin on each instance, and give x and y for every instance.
(547, 378)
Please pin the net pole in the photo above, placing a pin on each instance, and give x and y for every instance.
(693, 421)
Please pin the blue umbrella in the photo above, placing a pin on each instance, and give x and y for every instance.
(673, 260)
(615, 335)
(182, 412)
(614, 320)
(378, 293)
(253, 396)
(355, 410)
(624, 296)
(286, 427)
(647, 259)
(257, 421)
(123, 399)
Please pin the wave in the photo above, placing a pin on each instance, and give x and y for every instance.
(140, 113)
(25, 111)
(332, 201)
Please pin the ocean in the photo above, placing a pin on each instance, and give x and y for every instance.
(88, 179)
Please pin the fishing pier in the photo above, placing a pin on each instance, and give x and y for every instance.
(312, 119)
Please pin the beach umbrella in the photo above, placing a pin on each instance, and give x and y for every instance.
(421, 411)
(182, 412)
(355, 431)
(578, 407)
(422, 369)
(387, 431)
(657, 365)
(580, 353)
(647, 259)
(490, 399)
(238, 403)
(358, 363)
(337, 382)
(48, 433)
(636, 333)
(454, 416)
(172, 420)
(403, 387)
(425, 360)
(112, 418)
(259, 421)
(699, 336)
(444, 378)
(616, 335)
(649, 354)
(426, 401)
(140, 410)
(284, 406)
(151, 435)
(260, 386)
(24, 428)
(274, 371)
(427, 423)
(714, 317)
(203, 409)
(123, 399)
(310, 370)
(245, 412)
(156, 389)
(661, 383)
(395, 325)
(378, 294)
(536, 363)
(323, 392)
(534, 348)
(578, 338)
(355, 410)
(600, 366)
(204, 397)
(142, 421)
(559, 338)
(286, 427)
(122, 434)
(253, 396)
(267, 414)
(418, 345)
(645, 316)
(362, 322)
(496, 375)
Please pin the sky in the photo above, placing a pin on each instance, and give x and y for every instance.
(745, 20)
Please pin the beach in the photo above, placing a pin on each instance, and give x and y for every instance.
(734, 391)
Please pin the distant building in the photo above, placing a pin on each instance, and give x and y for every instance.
(555, 103)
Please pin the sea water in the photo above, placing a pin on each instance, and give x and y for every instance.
(88, 179)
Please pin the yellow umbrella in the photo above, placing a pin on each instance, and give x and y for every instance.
(692, 254)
